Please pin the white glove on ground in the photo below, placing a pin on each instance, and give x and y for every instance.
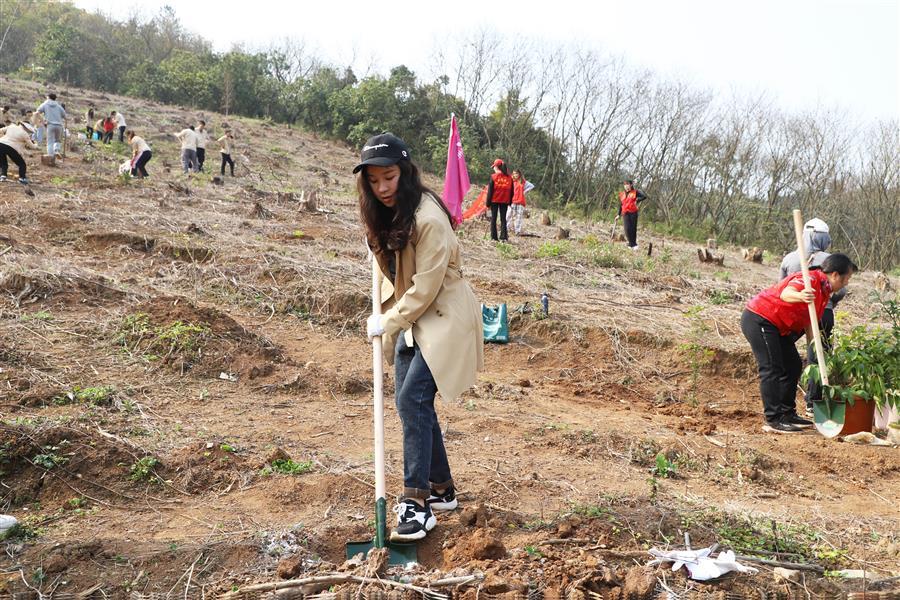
(374, 328)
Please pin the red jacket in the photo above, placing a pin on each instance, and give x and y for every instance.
(629, 201)
(791, 317)
(500, 189)
(519, 192)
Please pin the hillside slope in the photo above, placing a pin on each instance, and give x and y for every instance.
(167, 345)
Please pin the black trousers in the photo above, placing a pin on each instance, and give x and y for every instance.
(107, 136)
(90, 132)
(122, 134)
(13, 154)
(779, 365)
(826, 326)
(501, 209)
(201, 158)
(140, 167)
(226, 159)
(630, 223)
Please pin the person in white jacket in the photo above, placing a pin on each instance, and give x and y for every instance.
(119, 118)
(202, 140)
(188, 138)
(16, 138)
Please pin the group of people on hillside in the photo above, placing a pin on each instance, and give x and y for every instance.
(193, 148)
(505, 197)
(105, 127)
(47, 122)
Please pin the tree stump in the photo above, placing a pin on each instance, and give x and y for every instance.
(217, 180)
(704, 255)
(882, 282)
(753, 254)
(309, 201)
(711, 244)
(48, 160)
(260, 212)
(562, 233)
(545, 219)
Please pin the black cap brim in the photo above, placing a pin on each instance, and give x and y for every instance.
(377, 161)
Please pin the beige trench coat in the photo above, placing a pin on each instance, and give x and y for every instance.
(432, 299)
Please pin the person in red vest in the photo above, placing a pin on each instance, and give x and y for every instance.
(629, 199)
(773, 321)
(499, 197)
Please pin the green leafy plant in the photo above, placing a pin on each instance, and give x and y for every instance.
(553, 249)
(97, 396)
(288, 466)
(663, 467)
(142, 469)
(507, 251)
(719, 297)
(698, 355)
(864, 362)
(49, 457)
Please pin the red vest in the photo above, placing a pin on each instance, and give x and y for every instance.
(629, 201)
(518, 192)
(791, 317)
(502, 187)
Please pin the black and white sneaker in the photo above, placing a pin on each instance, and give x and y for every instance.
(781, 427)
(2, 177)
(445, 501)
(797, 421)
(413, 521)
(24, 180)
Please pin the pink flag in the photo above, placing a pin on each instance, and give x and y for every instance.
(456, 178)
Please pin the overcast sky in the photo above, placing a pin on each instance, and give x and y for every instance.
(804, 53)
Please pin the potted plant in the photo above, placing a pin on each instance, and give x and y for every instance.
(864, 369)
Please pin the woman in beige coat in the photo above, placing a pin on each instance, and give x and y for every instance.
(431, 319)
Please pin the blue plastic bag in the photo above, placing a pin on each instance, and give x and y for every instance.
(496, 324)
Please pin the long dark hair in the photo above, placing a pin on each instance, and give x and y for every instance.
(502, 167)
(389, 229)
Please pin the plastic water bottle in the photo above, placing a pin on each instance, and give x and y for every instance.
(545, 303)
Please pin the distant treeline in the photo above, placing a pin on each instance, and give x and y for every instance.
(575, 122)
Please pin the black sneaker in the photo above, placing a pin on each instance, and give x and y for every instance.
(445, 501)
(780, 427)
(797, 421)
(413, 521)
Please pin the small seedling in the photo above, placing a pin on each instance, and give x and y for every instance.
(49, 457)
(142, 470)
(663, 468)
(287, 466)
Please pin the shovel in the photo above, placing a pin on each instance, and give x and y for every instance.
(827, 414)
(398, 553)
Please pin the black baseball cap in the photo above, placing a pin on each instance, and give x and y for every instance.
(382, 151)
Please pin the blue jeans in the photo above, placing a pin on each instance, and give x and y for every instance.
(189, 160)
(424, 457)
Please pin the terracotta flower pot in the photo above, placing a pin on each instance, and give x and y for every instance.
(858, 417)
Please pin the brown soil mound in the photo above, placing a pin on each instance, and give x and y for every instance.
(56, 464)
(207, 467)
(202, 340)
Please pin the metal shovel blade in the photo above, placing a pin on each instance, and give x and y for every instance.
(398, 553)
(829, 417)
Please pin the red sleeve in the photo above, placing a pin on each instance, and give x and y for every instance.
(796, 282)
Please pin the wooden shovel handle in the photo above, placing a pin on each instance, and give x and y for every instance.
(813, 318)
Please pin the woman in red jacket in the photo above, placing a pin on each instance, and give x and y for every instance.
(773, 322)
(499, 196)
(629, 198)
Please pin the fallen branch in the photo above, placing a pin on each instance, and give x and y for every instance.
(786, 565)
(324, 581)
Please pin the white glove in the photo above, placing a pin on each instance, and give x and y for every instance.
(374, 328)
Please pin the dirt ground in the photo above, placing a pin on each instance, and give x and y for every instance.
(185, 390)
